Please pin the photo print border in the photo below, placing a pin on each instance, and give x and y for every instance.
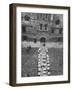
(14, 73)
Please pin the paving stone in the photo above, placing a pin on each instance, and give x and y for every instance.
(48, 64)
(49, 73)
(48, 68)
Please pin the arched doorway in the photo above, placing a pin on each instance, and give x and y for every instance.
(43, 39)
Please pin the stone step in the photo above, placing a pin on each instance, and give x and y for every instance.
(42, 64)
(42, 69)
(49, 73)
(48, 64)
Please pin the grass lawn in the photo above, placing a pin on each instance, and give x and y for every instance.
(30, 61)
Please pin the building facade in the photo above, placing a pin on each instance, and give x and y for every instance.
(36, 26)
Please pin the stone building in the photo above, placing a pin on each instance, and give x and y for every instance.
(36, 26)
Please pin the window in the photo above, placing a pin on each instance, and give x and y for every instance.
(57, 22)
(23, 29)
(52, 31)
(60, 39)
(40, 26)
(26, 17)
(45, 26)
(60, 31)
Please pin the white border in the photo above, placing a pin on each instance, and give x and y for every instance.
(63, 77)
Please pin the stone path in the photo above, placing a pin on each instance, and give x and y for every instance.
(43, 62)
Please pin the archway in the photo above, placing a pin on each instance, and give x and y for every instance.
(42, 39)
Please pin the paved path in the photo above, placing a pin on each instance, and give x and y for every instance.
(43, 62)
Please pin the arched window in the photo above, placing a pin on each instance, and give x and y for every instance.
(60, 39)
(26, 17)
